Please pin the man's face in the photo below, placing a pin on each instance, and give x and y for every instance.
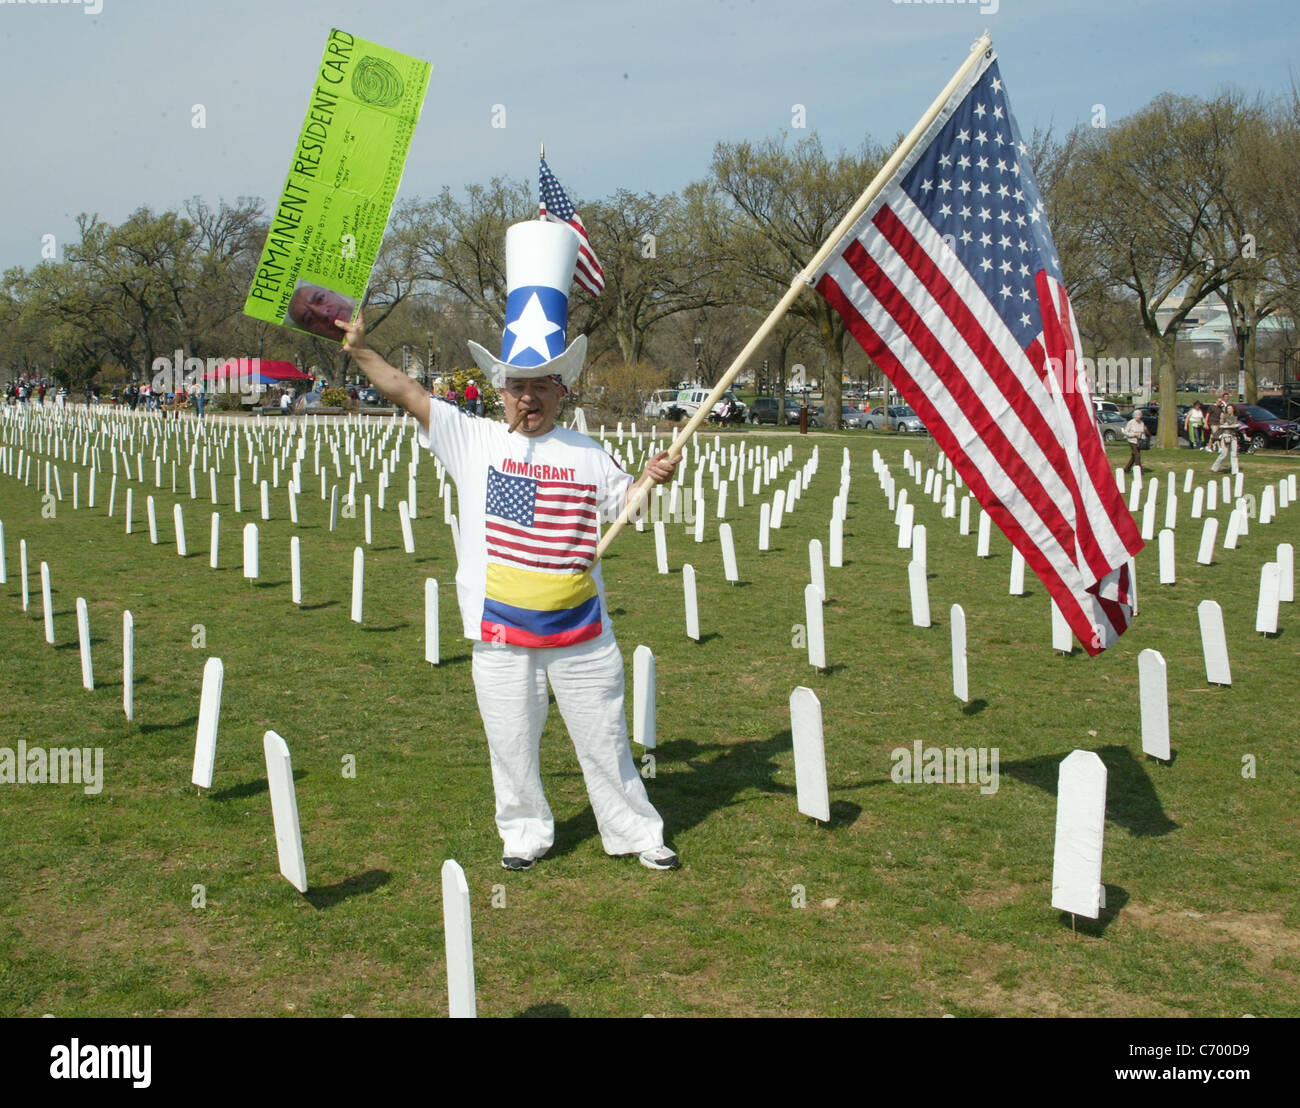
(538, 397)
(315, 309)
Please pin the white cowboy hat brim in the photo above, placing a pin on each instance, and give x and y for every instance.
(568, 365)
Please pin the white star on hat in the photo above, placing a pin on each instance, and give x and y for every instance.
(531, 330)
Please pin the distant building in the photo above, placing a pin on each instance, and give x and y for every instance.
(1207, 330)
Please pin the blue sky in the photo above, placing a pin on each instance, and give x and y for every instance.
(97, 108)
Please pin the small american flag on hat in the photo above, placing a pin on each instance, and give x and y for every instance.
(555, 205)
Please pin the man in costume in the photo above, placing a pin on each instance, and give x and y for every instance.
(530, 590)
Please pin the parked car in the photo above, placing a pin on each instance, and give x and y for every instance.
(689, 401)
(901, 418)
(370, 396)
(662, 405)
(764, 410)
(1111, 425)
(1151, 418)
(850, 417)
(1261, 428)
(1281, 406)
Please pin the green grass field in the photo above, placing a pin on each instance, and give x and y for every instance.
(916, 899)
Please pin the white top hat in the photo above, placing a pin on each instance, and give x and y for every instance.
(540, 257)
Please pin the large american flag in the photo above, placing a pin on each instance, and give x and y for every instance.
(555, 205)
(951, 283)
(549, 525)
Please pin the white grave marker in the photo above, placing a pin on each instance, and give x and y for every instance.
(816, 567)
(358, 582)
(661, 546)
(837, 543)
(644, 702)
(1017, 583)
(812, 793)
(692, 605)
(1080, 828)
(1266, 612)
(764, 527)
(1062, 636)
(1214, 643)
(1153, 692)
(83, 640)
(1286, 573)
(459, 942)
(408, 535)
(1167, 557)
(49, 605)
(178, 519)
(432, 640)
(205, 742)
(982, 540)
(960, 684)
(128, 665)
(252, 568)
(920, 546)
(295, 569)
(284, 810)
(920, 590)
(728, 552)
(1209, 536)
(812, 609)
(905, 515)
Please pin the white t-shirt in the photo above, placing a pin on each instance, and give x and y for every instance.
(528, 515)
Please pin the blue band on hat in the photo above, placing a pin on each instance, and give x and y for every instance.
(536, 317)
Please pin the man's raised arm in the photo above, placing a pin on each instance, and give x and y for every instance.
(392, 382)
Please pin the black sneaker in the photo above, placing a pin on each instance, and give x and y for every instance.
(516, 863)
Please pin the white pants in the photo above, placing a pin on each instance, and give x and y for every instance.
(510, 682)
(1226, 445)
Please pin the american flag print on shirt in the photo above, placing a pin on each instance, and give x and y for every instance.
(951, 282)
(541, 543)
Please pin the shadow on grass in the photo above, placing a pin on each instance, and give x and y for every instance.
(713, 783)
(315, 607)
(544, 1012)
(390, 627)
(1116, 898)
(975, 707)
(149, 728)
(1131, 799)
(249, 788)
(329, 895)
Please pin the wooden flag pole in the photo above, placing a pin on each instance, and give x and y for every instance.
(636, 497)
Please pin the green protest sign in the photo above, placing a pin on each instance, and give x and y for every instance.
(328, 225)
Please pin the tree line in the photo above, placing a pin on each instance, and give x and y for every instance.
(1187, 201)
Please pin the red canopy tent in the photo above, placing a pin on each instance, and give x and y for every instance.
(258, 371)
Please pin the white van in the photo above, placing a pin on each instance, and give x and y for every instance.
(1104, 406)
